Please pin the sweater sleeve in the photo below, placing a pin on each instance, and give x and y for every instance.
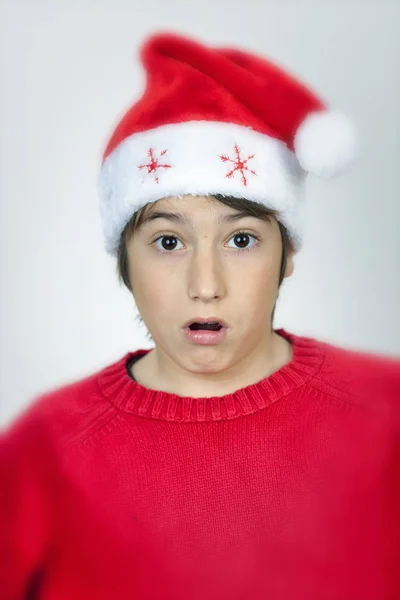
(25, 504)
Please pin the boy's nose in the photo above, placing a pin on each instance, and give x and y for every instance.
(206, 281)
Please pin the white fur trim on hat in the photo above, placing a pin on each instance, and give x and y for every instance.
(325, 143)
(200, 158)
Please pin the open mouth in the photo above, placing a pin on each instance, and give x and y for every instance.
(209, 326)
(206, 330)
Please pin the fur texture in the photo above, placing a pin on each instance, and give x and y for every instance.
(325, 143)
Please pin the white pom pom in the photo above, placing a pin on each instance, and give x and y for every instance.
(325, 143)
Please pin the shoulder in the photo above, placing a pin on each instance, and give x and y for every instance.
(64, 415)
(368, 379)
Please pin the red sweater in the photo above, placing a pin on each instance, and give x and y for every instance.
(287, 489)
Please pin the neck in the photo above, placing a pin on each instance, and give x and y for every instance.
(158, 371)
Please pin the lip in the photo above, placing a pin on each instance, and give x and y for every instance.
(205, 337)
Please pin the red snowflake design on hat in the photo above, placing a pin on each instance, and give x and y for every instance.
(153, 163)
(239, 164)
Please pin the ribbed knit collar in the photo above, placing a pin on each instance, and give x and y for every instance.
(128, 395)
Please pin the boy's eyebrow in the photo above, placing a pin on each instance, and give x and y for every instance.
(236, 216)
(184, 219)
(174, 217)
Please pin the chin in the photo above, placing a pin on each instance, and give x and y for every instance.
(206, 359)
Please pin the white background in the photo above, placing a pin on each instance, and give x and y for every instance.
(69, 69)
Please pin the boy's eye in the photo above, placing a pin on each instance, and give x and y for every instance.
(242, 240)
(168, 242)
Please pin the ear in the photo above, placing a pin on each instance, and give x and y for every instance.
(289, 263)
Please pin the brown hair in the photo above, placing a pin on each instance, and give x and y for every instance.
(252, 208)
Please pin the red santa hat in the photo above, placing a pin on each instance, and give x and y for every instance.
(218, 121)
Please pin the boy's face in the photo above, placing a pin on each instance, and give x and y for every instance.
(194, 257)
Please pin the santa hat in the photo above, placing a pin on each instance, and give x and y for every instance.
(218, 121)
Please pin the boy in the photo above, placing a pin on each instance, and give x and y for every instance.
(232, 460)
